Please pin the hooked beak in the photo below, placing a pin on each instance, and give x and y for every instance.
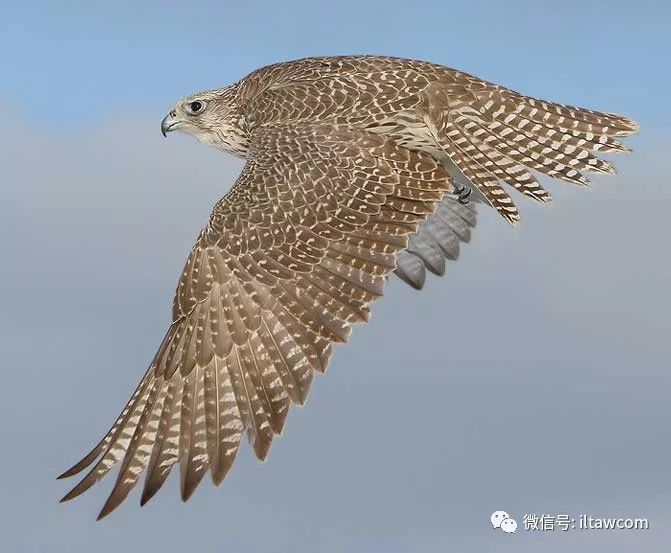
(169, 123)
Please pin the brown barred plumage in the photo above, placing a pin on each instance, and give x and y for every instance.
(352, 165)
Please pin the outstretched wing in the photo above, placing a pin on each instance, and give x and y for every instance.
(290, 258)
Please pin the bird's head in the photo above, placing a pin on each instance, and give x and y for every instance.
(213, 117)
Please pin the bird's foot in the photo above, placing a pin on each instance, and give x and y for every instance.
(463, 193)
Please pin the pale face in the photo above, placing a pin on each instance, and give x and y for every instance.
(213, 117)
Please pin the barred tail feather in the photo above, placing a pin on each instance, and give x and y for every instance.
(505, 169)
(577, 119)
(494, 135)
(460, 149)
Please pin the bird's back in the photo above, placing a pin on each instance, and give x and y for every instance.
(490, 133)
(358, 90)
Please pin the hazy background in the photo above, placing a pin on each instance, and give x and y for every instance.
(535, 375)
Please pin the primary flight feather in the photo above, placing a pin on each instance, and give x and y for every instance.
(356, 167)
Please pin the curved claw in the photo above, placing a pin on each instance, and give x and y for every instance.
(463, 193)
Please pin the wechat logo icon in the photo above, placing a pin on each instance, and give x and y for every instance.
(502, 521)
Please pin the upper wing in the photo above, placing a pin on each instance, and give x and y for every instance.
(290, 258)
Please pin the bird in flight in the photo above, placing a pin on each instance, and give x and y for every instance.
(356, 167)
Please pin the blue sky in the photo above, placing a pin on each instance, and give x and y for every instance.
(534, 374)
(75, 63)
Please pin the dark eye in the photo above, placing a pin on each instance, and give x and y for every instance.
(195, 107)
